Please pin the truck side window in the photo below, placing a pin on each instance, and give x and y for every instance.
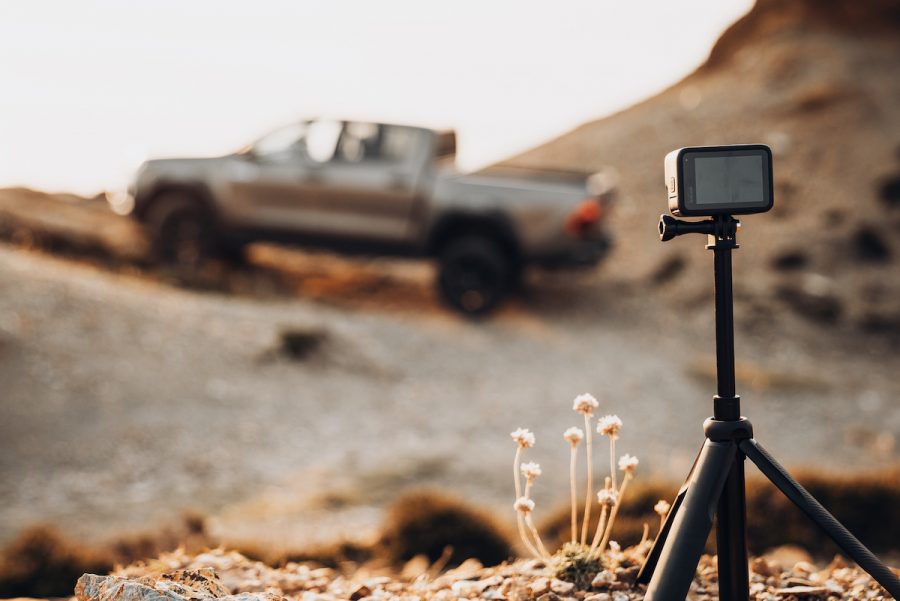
(398, 143)
(369, 142)
(282, 143)
(322, 140)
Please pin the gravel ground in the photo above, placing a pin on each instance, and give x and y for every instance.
(126, 400)
(228, 576)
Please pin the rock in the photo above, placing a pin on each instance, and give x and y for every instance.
(787, 556)
(761, 566)
(802, 591)
(359, 592)
(489, 582)
(465, 588)
(181, 585)
(561, 587)
(604, 579)
(416, 566)
(540, 586)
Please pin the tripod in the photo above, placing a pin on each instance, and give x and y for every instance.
(715, 484)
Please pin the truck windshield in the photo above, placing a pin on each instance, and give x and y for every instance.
(285, 140)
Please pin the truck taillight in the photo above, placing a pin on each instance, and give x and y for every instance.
(583, 218)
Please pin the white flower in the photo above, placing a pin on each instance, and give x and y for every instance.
(609, 425)
(661, 508)
(530, 470)
(524, 505)
(585, 403)
(574, 435)
(523, 437)
(614, 546)
(627, 463)
(607, 496)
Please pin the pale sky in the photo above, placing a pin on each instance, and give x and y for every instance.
(89, 89)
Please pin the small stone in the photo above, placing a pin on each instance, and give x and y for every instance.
(359, 592)
(561, 587)
(598, 597)
(802, 591)
(489, 582)
(803, 569)
(833, 586)
(761, 566)
(540, 586)
(603, 579)
(465, 588)
(548, 597)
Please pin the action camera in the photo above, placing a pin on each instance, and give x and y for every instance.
(719, 180)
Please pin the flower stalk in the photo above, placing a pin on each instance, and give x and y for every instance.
(585, 404)
(607, 498)
(574, 436)
(627, 464)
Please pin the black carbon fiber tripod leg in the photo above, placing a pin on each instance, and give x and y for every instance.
(818, 514)
(649, 565)
(686, 540)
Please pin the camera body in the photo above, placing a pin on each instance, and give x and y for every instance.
(719, 180)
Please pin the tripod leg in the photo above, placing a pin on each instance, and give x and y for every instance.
(652, 558)
(682, 549)
(731, 536)
(818, 514)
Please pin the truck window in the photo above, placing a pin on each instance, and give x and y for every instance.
(322, 139)
(370, 142)
(281, 142)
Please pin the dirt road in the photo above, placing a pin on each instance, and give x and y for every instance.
(126, 400)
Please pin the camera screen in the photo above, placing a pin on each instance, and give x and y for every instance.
(725, 179)
(735, 180)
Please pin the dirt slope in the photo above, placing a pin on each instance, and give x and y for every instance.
(817, 81)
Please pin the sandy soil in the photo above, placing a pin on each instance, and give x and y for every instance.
(126, 400)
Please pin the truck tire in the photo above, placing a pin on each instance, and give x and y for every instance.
(181, 232)
(474, 274)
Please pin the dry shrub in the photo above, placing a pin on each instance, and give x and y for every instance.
(824, 308)
(889, 191)
(870, 245)
(868, 505)
(333, 555)
(427, 522)
(41, 563)
(818, 96)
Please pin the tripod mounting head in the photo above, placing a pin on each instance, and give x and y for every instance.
(719, 228)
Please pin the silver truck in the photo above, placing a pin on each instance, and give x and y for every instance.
(378, 189)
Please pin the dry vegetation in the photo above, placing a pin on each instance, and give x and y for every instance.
(433, 529)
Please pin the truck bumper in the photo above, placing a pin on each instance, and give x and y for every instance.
(580, 253)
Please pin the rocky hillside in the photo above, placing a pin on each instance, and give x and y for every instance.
(815, 80)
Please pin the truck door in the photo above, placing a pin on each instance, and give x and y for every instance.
(277, 187)
(371, 182)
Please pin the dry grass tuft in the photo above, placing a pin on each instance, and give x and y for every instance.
(41, 563)
(427, 522)
(868, 504)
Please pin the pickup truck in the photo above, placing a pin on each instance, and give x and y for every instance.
(374, 188)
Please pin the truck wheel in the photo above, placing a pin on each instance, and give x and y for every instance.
(181, 232)
(474, 274)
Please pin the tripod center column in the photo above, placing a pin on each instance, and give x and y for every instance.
(726, 405)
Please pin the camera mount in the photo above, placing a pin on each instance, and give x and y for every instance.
(715, 484)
